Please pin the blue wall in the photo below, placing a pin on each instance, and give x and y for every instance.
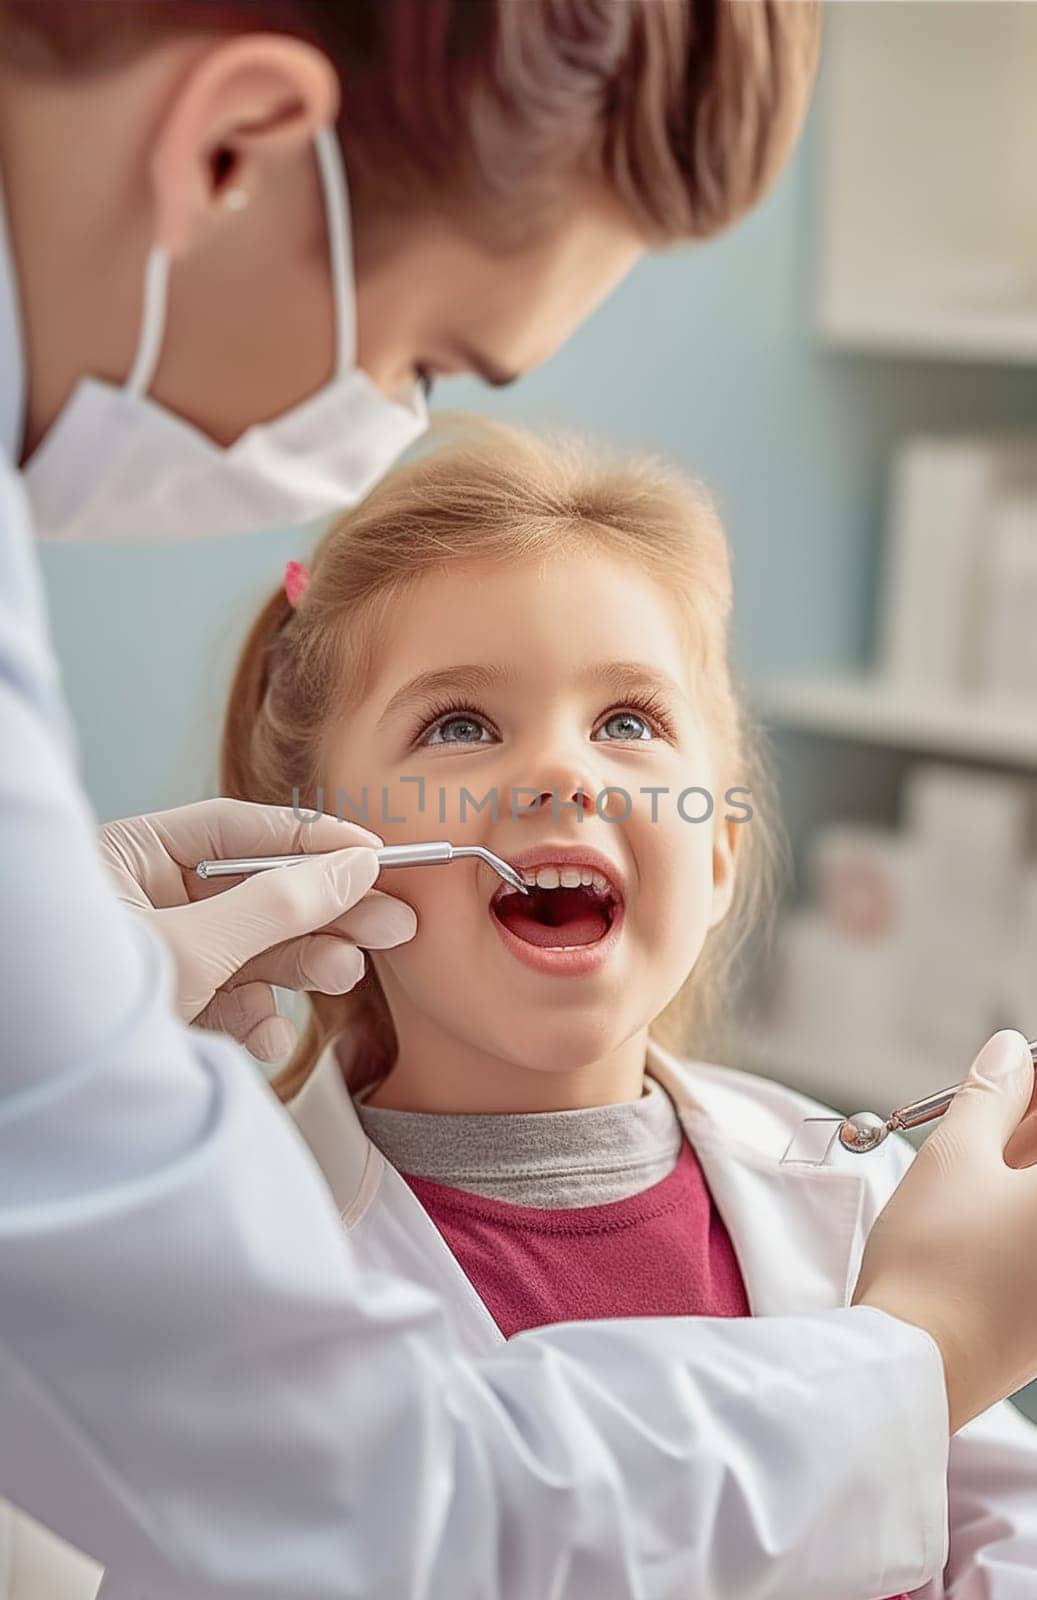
(706, 355)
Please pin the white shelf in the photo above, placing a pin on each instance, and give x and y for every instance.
(869, 709)
(946, 335)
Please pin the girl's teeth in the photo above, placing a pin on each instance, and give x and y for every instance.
(568, 878)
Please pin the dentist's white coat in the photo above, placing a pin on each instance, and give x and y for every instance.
(210, 1386)
(798, 1233)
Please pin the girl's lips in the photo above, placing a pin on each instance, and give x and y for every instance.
(556, 961)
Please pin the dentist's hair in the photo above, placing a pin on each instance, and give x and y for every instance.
(498, 495)
(685, 109)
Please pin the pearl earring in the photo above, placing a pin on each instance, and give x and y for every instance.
(236, 199)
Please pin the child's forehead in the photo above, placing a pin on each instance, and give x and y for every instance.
(545, 623)
(576, 597)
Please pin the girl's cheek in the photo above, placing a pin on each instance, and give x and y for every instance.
(678, 873)
(447, 902)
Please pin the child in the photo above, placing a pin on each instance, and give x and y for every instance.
(525, 647)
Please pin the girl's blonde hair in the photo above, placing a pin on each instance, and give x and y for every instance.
(496, 495)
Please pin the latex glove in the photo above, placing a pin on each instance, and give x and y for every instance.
(953, 1250)
(233, 938)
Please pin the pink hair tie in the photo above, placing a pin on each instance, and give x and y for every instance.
(296, 582)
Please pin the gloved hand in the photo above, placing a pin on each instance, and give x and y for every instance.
(232, 938)
(953, 1250)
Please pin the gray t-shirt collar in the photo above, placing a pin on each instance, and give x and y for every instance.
(541, 1158)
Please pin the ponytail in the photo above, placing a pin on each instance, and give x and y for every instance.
(362, 1020)
(249, 740)
(238, 777)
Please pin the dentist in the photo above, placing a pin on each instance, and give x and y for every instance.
(198, 1385)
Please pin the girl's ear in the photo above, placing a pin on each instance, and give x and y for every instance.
(725, 853)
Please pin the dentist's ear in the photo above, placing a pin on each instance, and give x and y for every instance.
(725, 852)
(244, 109)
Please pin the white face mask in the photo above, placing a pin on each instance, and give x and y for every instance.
(117, 467)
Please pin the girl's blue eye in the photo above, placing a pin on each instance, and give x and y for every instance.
(459, 729)
(627, 725)
(458, 724)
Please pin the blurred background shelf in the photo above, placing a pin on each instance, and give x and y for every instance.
(843, 1076)
(864, 707)
(954, 333)
(924, 246)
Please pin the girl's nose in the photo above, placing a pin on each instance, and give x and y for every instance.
(558, 779)
(562, 799)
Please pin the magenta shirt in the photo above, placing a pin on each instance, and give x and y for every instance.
(663, 1252)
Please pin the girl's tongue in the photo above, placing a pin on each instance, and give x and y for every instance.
(553, 918)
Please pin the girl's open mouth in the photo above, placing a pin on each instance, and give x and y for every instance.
(567, 922)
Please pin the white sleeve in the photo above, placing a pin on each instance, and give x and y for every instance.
(992, 1510)
(200, 1388)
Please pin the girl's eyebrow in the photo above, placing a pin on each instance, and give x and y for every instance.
(445, 680)
(616, 676)
(625, 675)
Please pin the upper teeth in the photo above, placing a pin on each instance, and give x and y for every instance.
(567, 878)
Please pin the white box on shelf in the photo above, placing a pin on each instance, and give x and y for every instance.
(937, 586)
(939, 495)
(969, 832)
(834, 988)
(972, 827)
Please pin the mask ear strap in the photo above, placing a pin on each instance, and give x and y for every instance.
(336, 210)
(152, 322)
(340, 244)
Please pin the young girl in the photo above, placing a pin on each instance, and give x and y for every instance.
(525, 648)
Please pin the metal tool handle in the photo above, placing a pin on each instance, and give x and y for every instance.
(933, 1105)
(389, 855)
(431, 853)
(417, 855)
(919, 1111)
(244, 866)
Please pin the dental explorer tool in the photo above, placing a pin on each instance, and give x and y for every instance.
(865, 1130)
(389, 855)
